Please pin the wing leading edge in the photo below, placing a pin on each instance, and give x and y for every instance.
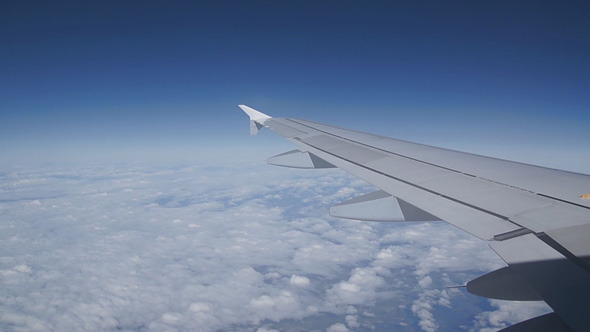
(536, 219)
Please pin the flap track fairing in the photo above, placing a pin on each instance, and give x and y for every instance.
(380, 206)
(298, 159)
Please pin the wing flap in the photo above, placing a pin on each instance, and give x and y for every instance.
(575, 240)
(553, 216)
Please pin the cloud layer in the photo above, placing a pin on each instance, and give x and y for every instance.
(145, 248)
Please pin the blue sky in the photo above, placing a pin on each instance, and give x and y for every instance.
(146, 74)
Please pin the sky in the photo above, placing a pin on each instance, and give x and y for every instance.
(132, 197)
(79, 78)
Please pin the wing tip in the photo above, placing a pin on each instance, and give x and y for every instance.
(254, 114)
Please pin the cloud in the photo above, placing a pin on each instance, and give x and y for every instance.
(339, 327)
(360, 288)
(299, 281)
(351, 321)
(141, 247)
(508, 313)
(423, 310)
(264, 329)
(425, 282)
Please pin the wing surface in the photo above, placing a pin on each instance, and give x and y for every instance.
(537, 219)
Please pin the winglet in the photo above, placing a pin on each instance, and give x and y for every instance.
(254, 114)
(257, 118)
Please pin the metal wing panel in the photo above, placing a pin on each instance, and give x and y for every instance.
(475, 221)
(560, 184)
(575, 240)
(408, 169)
(506, 188)
(468, 189)
(286, 131)
(522, 207)
(490, 196)
(553, 216)
(346, 150)
(512, 204)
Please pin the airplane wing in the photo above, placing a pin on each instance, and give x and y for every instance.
(536, 219)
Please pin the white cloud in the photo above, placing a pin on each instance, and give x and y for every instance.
(425, 282)
(508, 313)
(351, 321)
(360, 289)
(222, 248)
(339, 327)
(422, 308)
(444, 299)
(198, 306)
(299, 281)
(264, 329)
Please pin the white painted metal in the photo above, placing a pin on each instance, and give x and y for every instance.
(254, 114)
